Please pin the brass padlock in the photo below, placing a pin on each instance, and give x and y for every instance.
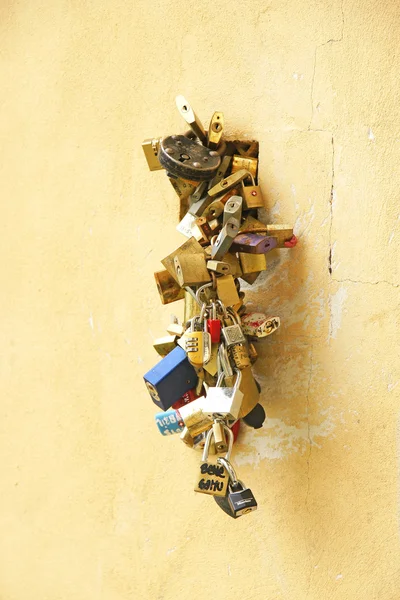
(252, 196)
(219, 435)
(215, 130)
(226, 290)
(187, 112)
(191, 269)
(150, 149)
(164, 345)
(182, 187)
(245, 162)
(252, 263)
(216, 208)
(228, 183)
(283, 233)
(191, 246)
(222, 169)
(168, 288)
(240, 356)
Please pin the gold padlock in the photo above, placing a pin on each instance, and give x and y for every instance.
(215, 130)
(164, 345)
(191, 269)
(191, 246)
(182, 187)
(219, 436)
(282, 233)
(252, 263)
(226, 290)
(240, 356)
(186, 437)
(168, 288)
(252, 196)
(150, 149)
(245, 162)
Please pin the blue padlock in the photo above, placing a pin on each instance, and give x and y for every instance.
(170, 378)
(169, 422)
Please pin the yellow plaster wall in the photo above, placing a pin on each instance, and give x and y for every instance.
(95, 504)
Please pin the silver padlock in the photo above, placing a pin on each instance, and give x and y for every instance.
(233, 334)
(223, 402)
(233, 209)
(225, 239)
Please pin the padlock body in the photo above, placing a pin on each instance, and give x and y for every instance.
(214, 329)
(233, 334)
(170, 378)
(187, 397)
(212, 479)
(224, 402)
(242, 502)
(184, 158)
(259, 325)
(253, 243)
(169, 422)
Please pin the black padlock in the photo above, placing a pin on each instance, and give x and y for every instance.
(256, 417)
(187, 159)
(241, 500)
(223, 501)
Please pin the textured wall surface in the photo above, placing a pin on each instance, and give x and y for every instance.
(95, 504)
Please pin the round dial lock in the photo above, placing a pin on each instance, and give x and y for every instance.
(186, 158)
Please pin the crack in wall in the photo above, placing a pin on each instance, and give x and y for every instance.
(330, 41)
(359, 281)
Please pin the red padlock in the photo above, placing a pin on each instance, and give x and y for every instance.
(291, 243)
(235, 429)
(186, 398)
(214, 326)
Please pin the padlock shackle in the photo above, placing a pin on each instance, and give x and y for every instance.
(230, 442)
(229, 468)
(206, 448)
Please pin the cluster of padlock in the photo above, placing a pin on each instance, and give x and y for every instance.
(204, 382)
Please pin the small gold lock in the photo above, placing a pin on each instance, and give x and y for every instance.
(165, 345)
(150, 149)
(245, 162)
(219, 436)
(252, 196)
